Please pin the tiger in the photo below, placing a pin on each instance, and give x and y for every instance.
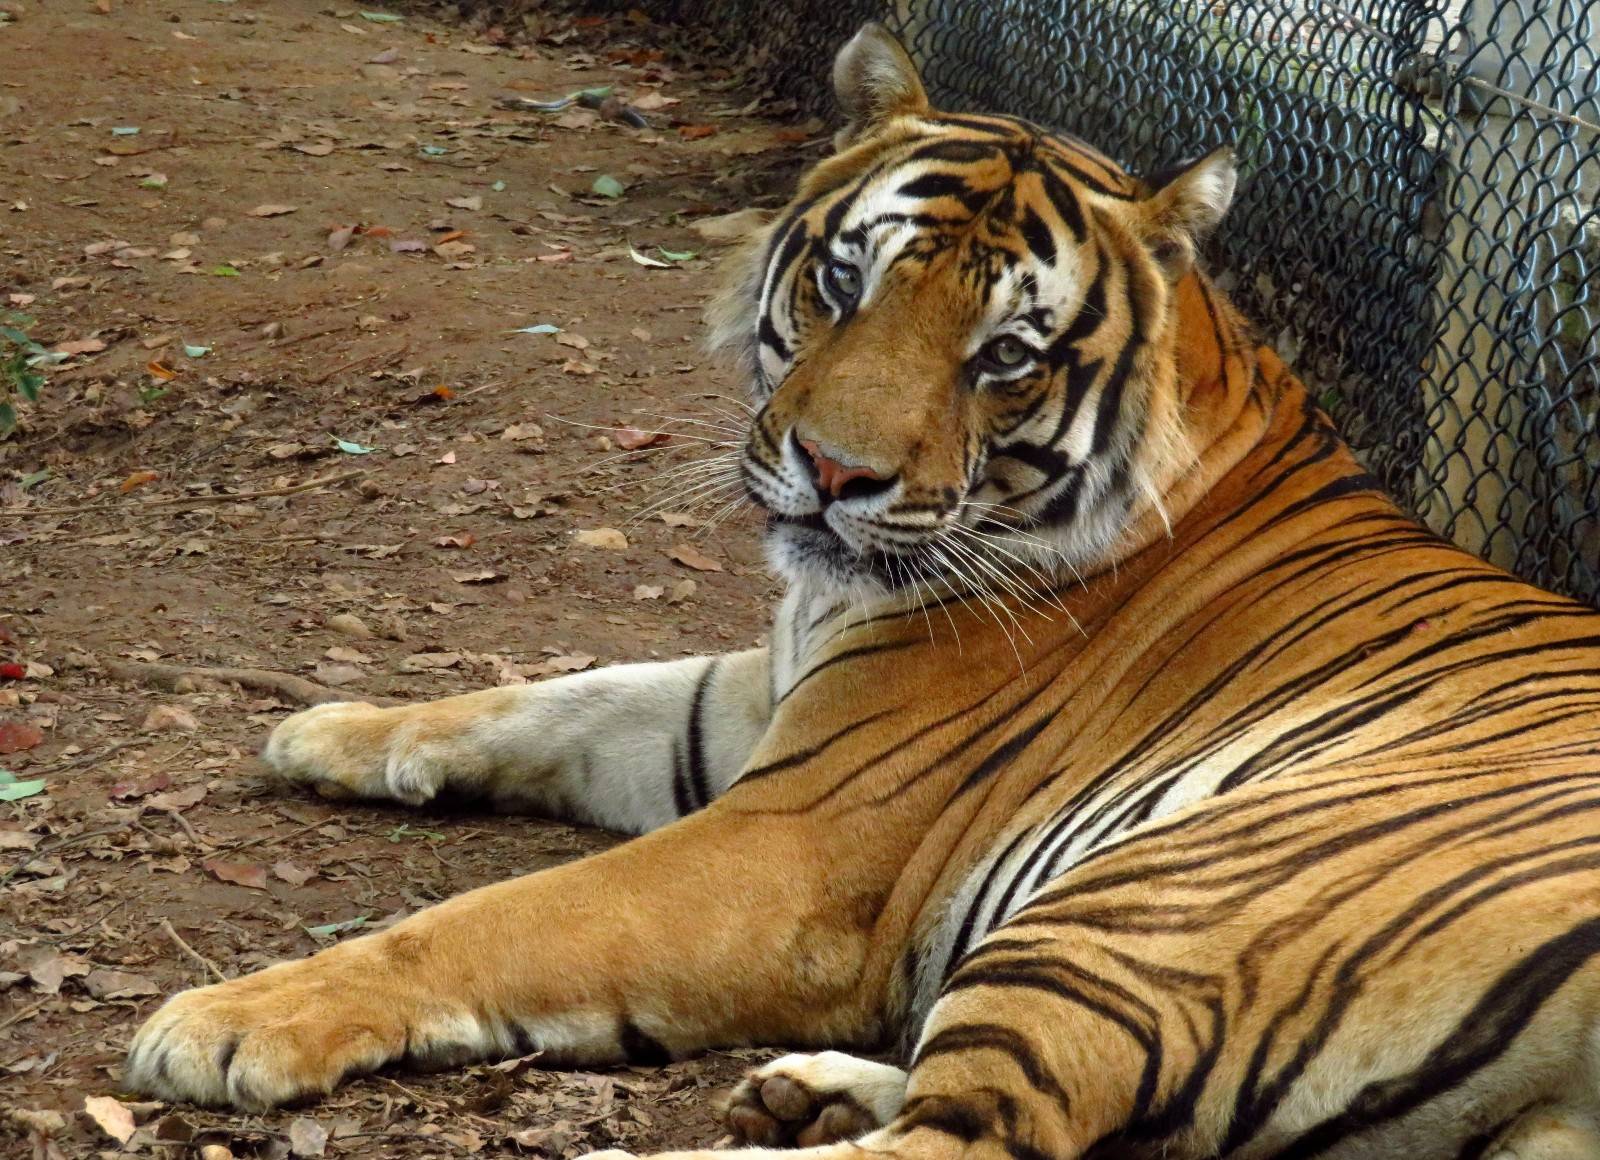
(1122, 761)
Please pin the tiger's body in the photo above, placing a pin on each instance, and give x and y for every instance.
(1191, 802)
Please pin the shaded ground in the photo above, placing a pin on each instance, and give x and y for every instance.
(156, 843)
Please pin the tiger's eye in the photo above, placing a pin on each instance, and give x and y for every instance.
(844, 280)
(1007, 352)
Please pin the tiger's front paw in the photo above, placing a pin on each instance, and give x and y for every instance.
(293, 1030)
(805, 1100)
(350, 749)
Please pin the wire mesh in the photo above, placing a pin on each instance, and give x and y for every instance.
(1418, 231)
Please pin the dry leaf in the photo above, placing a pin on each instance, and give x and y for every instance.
(349, 656)
(16, 736)
(292, 874)
(692, 557)
(425, 662)
(650, 101)
(169, 719)
(464, 540)
(316, 149)
(482, 576)
(307, 1137)
(336, 675)
(633, 439)
(340, 238)
(648, 592)
(178, 799)
(349, 625)
(138, 479)
(111, 1116)
(609, 538)
(575, 341)
(103, 983)
(695, 132)
(679, 520)
(81, 346)
(730, 227)
(474, 202)
(682, 590)
(266, 211)
(239, 873)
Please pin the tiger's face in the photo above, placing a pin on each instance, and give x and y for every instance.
(958, 340)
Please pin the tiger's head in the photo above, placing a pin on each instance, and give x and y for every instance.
(959, 341)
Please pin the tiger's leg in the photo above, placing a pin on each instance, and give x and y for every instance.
(630, 747)
(698, 934)
(801, 1100)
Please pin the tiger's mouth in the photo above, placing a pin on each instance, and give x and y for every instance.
(808, 544)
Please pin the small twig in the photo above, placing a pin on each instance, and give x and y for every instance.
(184, 501)
(270, 839)
(318, 380)
(183, 823)
(296, 689)
(53, 847)
(27, 1012)
(172, 934)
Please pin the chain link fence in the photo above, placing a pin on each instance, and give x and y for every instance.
(1418, 231)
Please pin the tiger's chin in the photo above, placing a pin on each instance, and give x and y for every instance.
(805, 552)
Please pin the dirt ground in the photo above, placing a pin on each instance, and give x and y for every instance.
(326, 229)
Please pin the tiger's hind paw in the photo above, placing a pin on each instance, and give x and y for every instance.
(806, 1100)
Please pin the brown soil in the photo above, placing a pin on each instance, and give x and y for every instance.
(157, 840)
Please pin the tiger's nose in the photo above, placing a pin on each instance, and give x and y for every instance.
(833, 476)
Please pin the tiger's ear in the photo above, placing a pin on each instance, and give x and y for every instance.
(1184, 206)
(874, 79)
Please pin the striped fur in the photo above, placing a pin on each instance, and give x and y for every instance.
(1122, 753)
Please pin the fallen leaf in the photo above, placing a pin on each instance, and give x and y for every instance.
(464, 540)
(306, 1136)
(608, 538)
(16, 736)
(340, 238)
(314, 149)
(332, 929)
(350, 448)
(473, 202)
(178, 800)
(170, 719)
(633, 439)
(387, 56)
(696, 132)
(12, 671)
(138, 479)
(103, 983)
(730, 227)
(541, 328)
(131, 790)
(349, 656)
(382, 17)
(269, 210)
(518, 432)
(679, 520)
(112, 1118)
(647, 260)
(692, 557)
(607, 186)
(161, 372)
(14, 789)
(575, 341)
(349, 624)
(239, 873)
(81, 346)
(192, 351)
(652, 101)
(336, 675)
(292, 874)
(50, 968)
(407, 246)
(682, 590)
(483, 576)
(428, 662)
(648, 592)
